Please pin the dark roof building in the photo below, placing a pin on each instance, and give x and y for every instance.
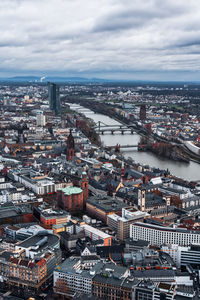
(100, 206)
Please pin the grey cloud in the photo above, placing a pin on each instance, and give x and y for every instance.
(189, 43)
(133, 16)
(111, 36)
(120, 21)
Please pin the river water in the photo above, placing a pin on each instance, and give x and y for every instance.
(183, 170)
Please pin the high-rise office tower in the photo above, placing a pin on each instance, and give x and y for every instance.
(54, 97)
(41, 120)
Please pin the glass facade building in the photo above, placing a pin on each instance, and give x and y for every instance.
(54, 97)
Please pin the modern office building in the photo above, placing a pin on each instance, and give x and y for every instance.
(183, 256)
(41, 120)
(122, 224)
(159, 235)
(54, 97)
(149, 290)
(96, 234)
(50, 216)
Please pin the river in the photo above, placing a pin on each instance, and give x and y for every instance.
(190, 172)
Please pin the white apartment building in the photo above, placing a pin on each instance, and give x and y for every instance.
(159, 235)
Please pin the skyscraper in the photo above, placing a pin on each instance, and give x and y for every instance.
(41, 120)
(54, 97)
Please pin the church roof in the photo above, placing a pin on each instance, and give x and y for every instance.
(71, 190)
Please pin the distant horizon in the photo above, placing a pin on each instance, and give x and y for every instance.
(87, 79)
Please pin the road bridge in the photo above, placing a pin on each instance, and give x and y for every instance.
(124, 146)
(101, 128)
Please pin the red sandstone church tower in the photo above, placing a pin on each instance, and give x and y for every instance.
(143, 112)
(70, 147)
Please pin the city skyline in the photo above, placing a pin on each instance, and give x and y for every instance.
(152, 40)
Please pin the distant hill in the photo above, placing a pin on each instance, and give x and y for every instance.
(51, 79)
(61, 79)
(21, 79)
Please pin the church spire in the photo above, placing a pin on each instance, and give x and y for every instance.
(70, 146)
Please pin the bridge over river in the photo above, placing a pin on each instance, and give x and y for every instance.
(180, 169)
(101, 128)
(123, 146)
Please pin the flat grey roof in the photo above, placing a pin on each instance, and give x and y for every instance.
(52, 239)
(67, 267)
(106, 203)
(152, 273)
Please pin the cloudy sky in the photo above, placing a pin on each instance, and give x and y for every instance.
(123, 39)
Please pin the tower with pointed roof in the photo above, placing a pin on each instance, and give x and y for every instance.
(70, 147)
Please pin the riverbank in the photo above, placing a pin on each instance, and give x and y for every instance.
(162, 149)
(174, 151)
(86, 125)
(189, 172)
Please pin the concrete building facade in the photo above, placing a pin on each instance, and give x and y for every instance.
(159, 235)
